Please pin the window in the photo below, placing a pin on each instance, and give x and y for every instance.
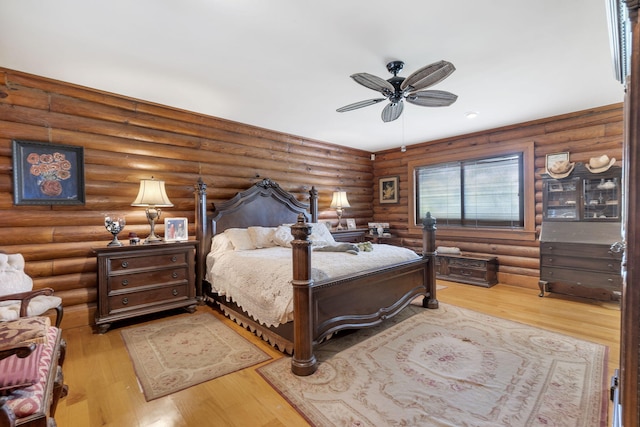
(473, 193)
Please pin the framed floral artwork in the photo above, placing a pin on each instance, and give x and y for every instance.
(389, 189)
(47, 174)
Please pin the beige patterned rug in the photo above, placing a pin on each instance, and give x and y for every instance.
(175, 354)
(450, 367)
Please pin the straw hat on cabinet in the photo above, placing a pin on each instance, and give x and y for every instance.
(600, 164)
(560, 169)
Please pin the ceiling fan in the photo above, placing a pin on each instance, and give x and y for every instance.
(398, 89)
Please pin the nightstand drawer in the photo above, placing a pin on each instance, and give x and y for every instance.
(133, 300)
(132, 263)
(144, 278)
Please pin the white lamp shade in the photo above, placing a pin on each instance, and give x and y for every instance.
(340, 200)
(152, 193)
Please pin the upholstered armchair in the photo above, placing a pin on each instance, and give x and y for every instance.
(31, 382)
(17, 299)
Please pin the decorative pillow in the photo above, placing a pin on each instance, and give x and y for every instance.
(262, 237)
(24, 330)
(320, 235)
(18, 372)
(13, 279)
(221, 243)
(240, 239)
(282, 236)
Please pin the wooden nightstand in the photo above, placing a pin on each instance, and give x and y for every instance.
(142, 279)
(353, 235)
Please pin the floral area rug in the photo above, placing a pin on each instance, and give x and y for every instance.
(175, 354)
(450, 367)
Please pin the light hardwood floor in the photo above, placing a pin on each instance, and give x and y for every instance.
(103, 390)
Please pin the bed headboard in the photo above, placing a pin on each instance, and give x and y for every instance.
(264, 204)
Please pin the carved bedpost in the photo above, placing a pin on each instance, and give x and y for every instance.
(304, 361)
(313, 204)
(201, 232)
(429, 251)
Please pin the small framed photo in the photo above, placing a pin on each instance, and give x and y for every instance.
(47, 174)
(389, 189)
(351, 223)
(176, 229)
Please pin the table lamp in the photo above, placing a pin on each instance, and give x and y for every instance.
(338, 202)
(152, 196)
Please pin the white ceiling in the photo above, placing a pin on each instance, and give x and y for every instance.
(285, 64)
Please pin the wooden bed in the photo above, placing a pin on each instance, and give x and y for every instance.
(320, 308)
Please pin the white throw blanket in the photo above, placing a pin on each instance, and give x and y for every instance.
(259, 280)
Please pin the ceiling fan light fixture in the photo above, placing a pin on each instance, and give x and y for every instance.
(398, 89)
(471, 114)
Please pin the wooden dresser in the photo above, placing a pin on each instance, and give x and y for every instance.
(473, 269)
(142, 279)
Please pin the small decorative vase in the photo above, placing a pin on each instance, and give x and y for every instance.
(380, 231)
(114, 225)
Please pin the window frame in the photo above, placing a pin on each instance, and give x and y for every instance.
(526, 149)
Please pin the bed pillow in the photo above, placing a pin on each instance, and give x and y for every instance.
(320, 235)
(221, 243)
(240, 239)
(262, 237)
(282, 236)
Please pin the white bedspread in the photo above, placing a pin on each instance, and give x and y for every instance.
(259, 280)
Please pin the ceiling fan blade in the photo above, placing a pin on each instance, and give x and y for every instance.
(432, 98)
(428, 76)
(373, 82)
(392, 111)
(359, 104)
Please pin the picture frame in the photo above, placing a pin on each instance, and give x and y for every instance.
(555, 157)
(389, 189)
(351, 223)
(47, 174)
(176, 229)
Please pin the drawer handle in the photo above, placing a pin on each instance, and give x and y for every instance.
(174, 275)
(125, 301)
(174, 258)
(174, 292)
(125, 282)
(550, 259)
(465, 273)
(125, 264)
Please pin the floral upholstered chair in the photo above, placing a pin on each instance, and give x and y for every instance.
(17, 298)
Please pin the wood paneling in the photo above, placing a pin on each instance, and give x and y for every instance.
(583, 134)
(126, 140)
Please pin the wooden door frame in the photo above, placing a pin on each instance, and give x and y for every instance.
(630, 303)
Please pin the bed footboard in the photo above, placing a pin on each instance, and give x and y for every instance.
(363, 300)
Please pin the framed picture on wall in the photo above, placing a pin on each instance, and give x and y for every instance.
(389, 189)
(47, 174)
(176, 229)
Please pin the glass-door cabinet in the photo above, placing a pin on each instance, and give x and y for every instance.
(601, 199)
(561, 199)
(583, 197)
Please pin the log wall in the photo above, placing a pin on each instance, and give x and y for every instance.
(583, 134)
(126, 140)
